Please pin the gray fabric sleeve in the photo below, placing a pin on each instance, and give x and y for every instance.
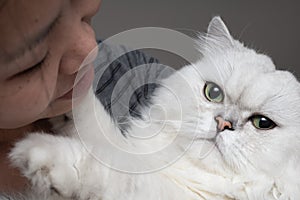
(125, 80)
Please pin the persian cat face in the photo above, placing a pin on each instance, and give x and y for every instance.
(249, 110)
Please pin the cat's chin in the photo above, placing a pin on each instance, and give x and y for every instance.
(206, 146)
(210, 147)
(214, 138)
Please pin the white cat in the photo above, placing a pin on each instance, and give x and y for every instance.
(226, 127)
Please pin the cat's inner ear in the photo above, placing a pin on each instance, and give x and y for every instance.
(217, 30)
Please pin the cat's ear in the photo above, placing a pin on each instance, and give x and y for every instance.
(217, 39)
(219, 31)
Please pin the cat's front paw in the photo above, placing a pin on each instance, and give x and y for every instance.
(49, 162)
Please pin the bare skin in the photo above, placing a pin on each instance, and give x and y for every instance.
(42, 46)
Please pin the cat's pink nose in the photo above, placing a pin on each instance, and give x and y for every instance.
(223, 124)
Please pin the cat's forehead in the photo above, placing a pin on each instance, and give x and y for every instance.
(233, 64)
(251, 80)
(249, 77)
(269, 92)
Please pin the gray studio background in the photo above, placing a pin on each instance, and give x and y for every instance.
(270, 26)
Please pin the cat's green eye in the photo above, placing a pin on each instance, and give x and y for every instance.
(213, 92)
(263, 123)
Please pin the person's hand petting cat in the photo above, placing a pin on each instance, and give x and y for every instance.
(42, 46)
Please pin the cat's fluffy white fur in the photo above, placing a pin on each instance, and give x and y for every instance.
(244, 163)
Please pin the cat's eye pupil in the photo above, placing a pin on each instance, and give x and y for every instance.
(213, 92)
(264, 123)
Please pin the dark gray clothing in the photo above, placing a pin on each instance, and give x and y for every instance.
(126, 80)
